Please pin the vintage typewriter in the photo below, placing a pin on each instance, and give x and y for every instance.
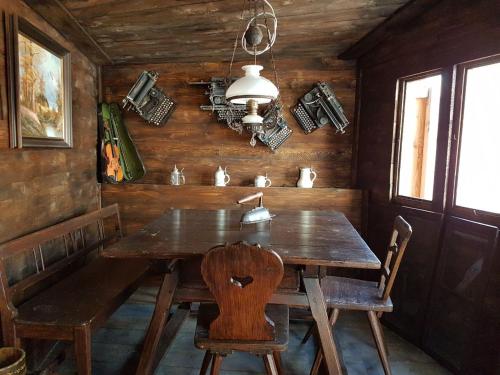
(276, 129)
(149, 101)
(320, 107)
(225, 111)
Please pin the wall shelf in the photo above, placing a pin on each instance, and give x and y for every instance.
(141, 203)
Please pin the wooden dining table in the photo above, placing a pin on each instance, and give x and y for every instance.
(307, 242)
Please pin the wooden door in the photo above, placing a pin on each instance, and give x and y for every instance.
(486, 355)
(411, 290)
(459, 290)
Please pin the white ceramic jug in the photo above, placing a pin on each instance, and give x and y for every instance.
(307, 177)
(221, 177)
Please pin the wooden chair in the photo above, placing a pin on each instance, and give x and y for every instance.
(242, 279)
(69, 293)
(373, 297)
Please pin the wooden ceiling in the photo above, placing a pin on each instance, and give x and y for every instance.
(134, 31)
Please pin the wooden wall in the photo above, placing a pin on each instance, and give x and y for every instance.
(39, 187)
(452, 31)
(427, 311)
(141, 204)
(193, 139)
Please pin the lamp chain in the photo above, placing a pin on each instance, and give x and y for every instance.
(237, 38)
(273, 62)
(278, 99)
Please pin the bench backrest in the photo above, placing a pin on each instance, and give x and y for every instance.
(52, 253)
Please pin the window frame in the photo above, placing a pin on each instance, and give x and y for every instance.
(438, 200)
(456, 140)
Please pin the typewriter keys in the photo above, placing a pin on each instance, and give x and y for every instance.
(149, 101)
(318, 108)
(305, 121)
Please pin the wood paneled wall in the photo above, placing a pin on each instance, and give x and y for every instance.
(140, 204)
(450, 32)
(39, 187)
(194, 140)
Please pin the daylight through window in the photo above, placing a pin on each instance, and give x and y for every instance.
(420, 117)
(478, 182)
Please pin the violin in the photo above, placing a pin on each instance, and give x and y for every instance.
(112, 152)
(113, 167)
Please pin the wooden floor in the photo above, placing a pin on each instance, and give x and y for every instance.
(116, 346)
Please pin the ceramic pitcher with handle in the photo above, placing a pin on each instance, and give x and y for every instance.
(177, 177)
(307, 177)
(221, 177)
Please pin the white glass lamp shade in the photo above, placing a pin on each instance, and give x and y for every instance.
(252, 86)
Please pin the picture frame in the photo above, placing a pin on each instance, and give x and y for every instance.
(39, 87)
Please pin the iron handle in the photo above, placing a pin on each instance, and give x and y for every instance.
(251, 197)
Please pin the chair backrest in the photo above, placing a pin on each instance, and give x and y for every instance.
(242, 278)
(400, 236)
(52, 253)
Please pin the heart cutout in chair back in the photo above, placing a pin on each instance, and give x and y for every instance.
(241, 282)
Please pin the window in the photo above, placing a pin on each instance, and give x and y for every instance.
(478, 178)
(447, 140)
(419, 117)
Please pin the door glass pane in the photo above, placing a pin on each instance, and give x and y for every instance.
(478, 181)
(420, 117)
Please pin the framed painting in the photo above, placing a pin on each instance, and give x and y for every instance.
(39, 87)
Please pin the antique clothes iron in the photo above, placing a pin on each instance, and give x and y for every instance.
(258, 214)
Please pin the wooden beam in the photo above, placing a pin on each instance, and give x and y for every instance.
(63, 21)
(170, 331)
(188, 295)
(401, 18)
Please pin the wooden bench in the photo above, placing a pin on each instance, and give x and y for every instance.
(70, 290)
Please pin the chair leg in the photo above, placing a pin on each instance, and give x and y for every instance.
(388, 353)
(216, 364)
(206, 363)
(317, 362)
(83, 350)
(309, 333)
(9, 332)
(277, 362)
(379, 340)
(334, 315)
(270, 365)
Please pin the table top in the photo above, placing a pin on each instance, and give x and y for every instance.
(322, 238)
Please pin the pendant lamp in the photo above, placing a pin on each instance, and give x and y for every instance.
(252, 89)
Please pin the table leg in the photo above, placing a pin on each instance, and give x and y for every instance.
(318, 310)
(158, 321)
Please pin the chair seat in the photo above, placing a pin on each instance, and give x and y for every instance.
(208, 312)
(80, 298)
(352, 294)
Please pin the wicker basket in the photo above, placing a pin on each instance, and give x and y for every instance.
(12, 361)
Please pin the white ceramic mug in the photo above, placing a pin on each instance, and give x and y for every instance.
(177, 177)
(262, 181)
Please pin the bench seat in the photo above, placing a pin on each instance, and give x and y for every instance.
(73, 290)
(84, 296)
